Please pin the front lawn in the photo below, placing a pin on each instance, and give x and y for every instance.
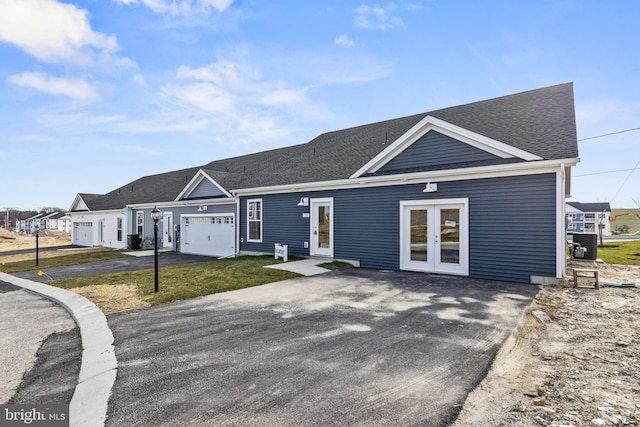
(190, 280)
(626, 253)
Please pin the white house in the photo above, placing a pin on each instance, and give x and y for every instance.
(588, 218)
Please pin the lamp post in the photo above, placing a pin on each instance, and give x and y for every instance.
(155, 216)
(37, 228)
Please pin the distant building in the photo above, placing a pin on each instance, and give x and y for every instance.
(588, 218)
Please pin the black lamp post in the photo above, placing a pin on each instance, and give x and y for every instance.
(37, 228)
(155, 216)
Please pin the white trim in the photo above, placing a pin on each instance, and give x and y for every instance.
(183, 203)
(200, 176)
(496, 171)
(76, 206)
(313, 206)
(249, 239)
(561, 232)
(474, 139)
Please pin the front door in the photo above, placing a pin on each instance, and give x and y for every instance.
(321, 227)
(167, 229)
(434, 236)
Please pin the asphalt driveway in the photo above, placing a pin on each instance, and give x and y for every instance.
(351, 347)
(111, 266)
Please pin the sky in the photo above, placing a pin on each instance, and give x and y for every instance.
(97, 93)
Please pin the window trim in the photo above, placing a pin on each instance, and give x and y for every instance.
(251, 211)
(119, 233)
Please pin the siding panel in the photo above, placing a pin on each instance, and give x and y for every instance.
(434, 149)
(511, 224)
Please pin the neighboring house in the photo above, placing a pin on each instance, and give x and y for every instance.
(58, 221)
(438, 192)
(588, 218)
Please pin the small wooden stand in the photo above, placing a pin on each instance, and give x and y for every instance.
(585, 272)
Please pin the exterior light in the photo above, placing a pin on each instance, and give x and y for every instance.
(430, 188)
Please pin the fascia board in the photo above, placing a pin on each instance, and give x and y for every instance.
(474, 139)
(513, 169)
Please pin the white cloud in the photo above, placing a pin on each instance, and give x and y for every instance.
(73, 88)
(55, 32)
(343, 40)
(181, 7)
(376, 18)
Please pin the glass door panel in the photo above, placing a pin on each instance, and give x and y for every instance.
(419, 231)
(450, 236)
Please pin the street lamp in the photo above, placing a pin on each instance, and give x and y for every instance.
(37, 228)
(155, 216)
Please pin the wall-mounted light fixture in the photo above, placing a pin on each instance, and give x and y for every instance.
(430, 188)
(304, 201)
(202, 208)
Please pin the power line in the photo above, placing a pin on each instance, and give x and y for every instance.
(625, 181)
(609, 134)
(605, 172)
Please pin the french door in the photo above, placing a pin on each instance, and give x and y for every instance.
(321, 227)
(434, 236)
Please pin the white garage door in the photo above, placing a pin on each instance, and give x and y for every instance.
(212, 235)
(83, 233)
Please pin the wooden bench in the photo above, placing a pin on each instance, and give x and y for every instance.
(585, 272)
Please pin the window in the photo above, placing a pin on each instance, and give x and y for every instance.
(591, 217)
(254, 220)
(119, 229)
(140, 222)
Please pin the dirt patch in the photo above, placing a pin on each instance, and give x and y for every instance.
(580, 366)
(113, 298)
(10, 241)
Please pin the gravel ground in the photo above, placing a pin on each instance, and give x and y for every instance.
(578, 367)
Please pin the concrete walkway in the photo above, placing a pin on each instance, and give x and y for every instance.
(99, 365)
(306, 267)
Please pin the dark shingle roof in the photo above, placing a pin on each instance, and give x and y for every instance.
(591, 207)
(539, 121)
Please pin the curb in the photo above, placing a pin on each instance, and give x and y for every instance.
(98, 367)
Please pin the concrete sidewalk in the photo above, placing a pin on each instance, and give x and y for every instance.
(305, 267)
(99, 365)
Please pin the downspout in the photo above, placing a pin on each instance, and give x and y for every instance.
(237, 223)
(562, 238)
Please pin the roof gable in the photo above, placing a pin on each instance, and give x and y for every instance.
(481, 143)
(591, 207)
(201, 186)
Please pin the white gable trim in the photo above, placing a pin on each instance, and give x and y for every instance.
(195, 182)
(474, 139)
(79, 204)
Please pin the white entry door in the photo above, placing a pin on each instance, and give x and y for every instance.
(434, 236)
(321, 227)
(167, 229)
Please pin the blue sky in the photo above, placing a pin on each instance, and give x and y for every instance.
(97, 93)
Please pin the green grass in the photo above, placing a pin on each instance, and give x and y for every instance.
(191, 280)
(627, 253)
(335, 265)
(59, 261)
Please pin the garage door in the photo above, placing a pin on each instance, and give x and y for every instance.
(212, 235)
(83, 233)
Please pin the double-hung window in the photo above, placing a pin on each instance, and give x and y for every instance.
(254, 220)
(119, 229)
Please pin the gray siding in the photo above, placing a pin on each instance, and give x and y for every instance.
(435, 149)
(511, 224)
(206, 189)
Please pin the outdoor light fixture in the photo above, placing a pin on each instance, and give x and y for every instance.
(37, 229)
(155, 216)
(430, 188)
(304, 201)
